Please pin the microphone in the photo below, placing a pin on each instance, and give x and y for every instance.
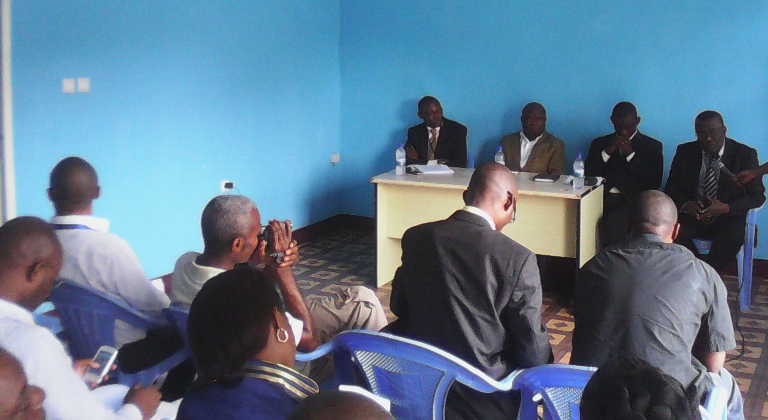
(725, 170)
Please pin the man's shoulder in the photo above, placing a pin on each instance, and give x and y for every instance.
(418, 128)
(512, 138)
(602, 139)
(185, 259)
(739, 147)
(454, 125)
(688, 147)
(556, 141)
(648, 139)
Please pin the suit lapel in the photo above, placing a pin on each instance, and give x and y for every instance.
(724, 184)
(536, 151)
(515, 148)
(444, 133)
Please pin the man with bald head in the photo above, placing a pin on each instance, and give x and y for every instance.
(94, 258)
(650, 298)
(469, 289)
(533, 149)
(30, 258)
(18, 399)
(339, 405)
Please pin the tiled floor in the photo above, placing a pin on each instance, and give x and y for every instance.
(348, 257)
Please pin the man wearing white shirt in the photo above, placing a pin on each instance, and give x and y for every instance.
(93, 257)
(533, 149)
(630, 162)
(30, 258)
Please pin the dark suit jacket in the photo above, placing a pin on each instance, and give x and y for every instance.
(547, 156)
(473, 292)
(451, 143)
(643, 172)
(683, 182)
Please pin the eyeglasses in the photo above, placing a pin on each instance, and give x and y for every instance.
(56, 283)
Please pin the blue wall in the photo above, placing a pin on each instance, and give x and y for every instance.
(186, 94)
(183, 95)
(485, 59)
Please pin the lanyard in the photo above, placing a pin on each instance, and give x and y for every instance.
(58, 226)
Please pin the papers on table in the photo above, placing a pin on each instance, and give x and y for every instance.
(429, 169)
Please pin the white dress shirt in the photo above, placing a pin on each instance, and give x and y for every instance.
(48, 366)
(481, 213)
(526, 146)
(99, 260)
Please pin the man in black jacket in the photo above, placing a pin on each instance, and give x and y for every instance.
(630, 162)
(712, 204)
(471, 290)
(436, 138)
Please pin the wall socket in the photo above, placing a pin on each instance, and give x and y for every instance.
(227, 185)
(335, 158)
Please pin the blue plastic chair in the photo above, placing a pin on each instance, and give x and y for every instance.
(414, 376)
(557, 387)
(179, 317)
(43, 319)
(744, 258)
(88, 318)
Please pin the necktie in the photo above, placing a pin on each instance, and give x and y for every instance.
(710, 180)
(432, 144)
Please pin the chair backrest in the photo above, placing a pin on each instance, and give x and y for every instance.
(178, 317)
(88, 318)
(414, 376)
(557, 387)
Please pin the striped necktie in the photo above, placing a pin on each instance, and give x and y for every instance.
(432, 144)
(710, 180)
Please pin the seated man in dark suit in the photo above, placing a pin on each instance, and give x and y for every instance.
(436, 138)
(711, 203)
(533, 149)
(630, 162)
(471, 290)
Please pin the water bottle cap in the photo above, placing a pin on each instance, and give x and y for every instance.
(401, 144)
(578, 156)
(500, 149)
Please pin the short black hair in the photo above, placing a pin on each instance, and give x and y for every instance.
(624, 109)
(426, 101)
(230, 319)
(631, 388)
(73, 184)
(708, 115)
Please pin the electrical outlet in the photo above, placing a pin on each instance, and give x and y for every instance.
(227, 185)
(335, 158)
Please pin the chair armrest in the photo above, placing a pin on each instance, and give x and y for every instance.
(316, 353)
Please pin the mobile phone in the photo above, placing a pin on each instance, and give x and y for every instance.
(105, 357)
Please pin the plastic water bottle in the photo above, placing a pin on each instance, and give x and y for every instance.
(499, 157)
(578, 172)
(400, 160)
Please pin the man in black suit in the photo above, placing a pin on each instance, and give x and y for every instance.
(471, 290)
(712, 204)
(630, 162)
(436, 138)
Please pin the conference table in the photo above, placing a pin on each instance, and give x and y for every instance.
(552, 218)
